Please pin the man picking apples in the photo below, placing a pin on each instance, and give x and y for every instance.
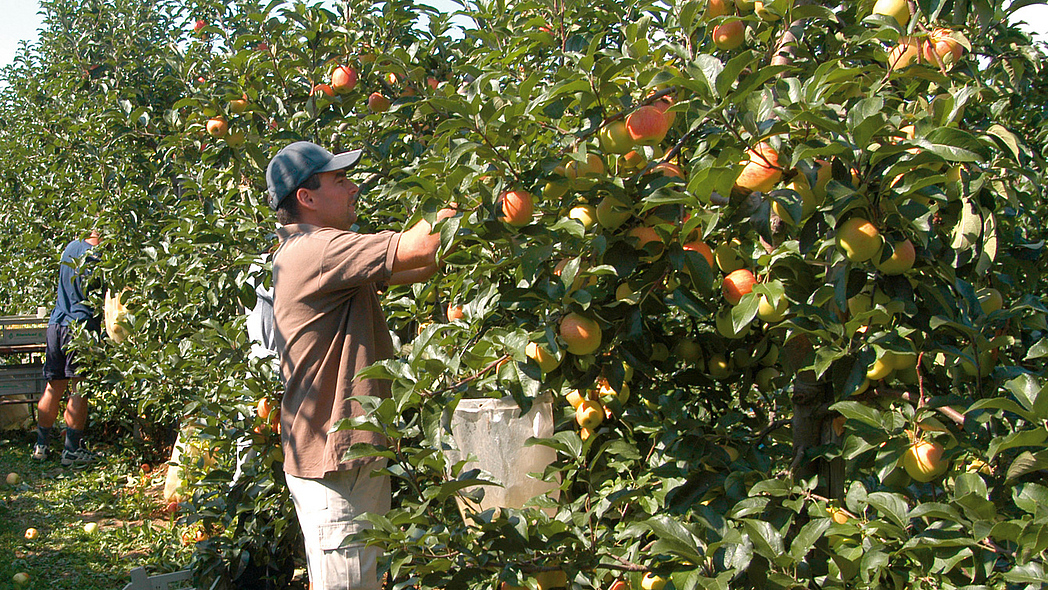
(329, 326)
(60, 364)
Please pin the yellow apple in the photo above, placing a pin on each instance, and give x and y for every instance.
(543, 357)
(880, 369)
(859, 239)
(575, 397)
(615, 138)
(688, 351)
(897, 9)
(765, 377)
(584, 214)
(923, 461)
(589, 414)
(901, 260)
(990, 299)
(726, 327)
(611, 213)
(726, 257)
(581, 334)
(652, 582)
(718, 366)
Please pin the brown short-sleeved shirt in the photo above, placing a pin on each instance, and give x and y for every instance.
(329, 326)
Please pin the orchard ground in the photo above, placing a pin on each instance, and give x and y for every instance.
(134, 528)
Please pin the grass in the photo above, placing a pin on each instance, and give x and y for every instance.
(117, 494)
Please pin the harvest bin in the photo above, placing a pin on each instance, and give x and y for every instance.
(491, 433)
(19, 330)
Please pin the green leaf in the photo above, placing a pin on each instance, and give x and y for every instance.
(893, 506)
(937, 511)
(997, 403)
(1027, 462)
(957, 145)
(1023, 438)
(743, 313)
(1031, 497)
(1027, 573)
(1038, 350)
(730, 74)
(675, 538)
(806, 538)
(1006, 138)
(969, 226)
(860, 412)
(1029, 392)
(707, 70)
(766, 539)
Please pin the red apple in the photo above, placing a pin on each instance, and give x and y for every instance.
(737, 284)
(322, 88)
(377, 103)
(217, 127)
(729, 35)
(647, 125)
(343, 79)
(517, 207)
(761, 171)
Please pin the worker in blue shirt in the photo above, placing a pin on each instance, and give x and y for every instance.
(60, 367)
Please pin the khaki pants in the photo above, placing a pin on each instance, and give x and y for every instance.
(327, 509)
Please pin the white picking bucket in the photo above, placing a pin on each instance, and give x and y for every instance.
(493, 432)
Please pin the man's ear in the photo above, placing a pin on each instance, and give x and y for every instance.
(305, 198)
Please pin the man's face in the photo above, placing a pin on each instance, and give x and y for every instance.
(336, 200)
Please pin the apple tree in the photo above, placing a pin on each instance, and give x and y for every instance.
(786, 259)
(834, 395)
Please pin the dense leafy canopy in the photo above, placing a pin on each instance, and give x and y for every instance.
(747, 453)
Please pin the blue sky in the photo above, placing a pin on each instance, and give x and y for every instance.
(21, 21)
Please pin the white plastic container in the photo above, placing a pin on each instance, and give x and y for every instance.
(493, 432)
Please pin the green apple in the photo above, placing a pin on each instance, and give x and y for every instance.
(772, 313)
(990, 299)
(726, 327)
(612, 213)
